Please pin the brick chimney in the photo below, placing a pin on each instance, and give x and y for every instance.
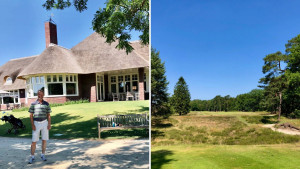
(50, 33)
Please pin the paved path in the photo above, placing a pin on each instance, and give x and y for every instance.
(285, 131)
(124, 153)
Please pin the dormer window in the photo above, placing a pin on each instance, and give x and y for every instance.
(8, 81)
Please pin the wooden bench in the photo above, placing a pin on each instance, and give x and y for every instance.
(124, 121)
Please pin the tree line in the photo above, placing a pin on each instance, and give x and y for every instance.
(252, 101)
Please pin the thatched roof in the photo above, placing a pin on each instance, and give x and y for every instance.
(54, 59)
(94, 55)
(89, 56)
(11, 69)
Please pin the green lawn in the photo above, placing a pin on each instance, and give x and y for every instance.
(226, 157)
(80, 120)
(222, 140)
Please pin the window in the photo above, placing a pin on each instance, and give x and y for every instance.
(127, 83)
(101, 78)
(60, 78)
(42, 79)
(71, 88)
(113, 79)
(145, 82)
(54, 83)
(36, 88)
(37, 84)
(113, 88)
(135, 84)
(54, 78)
(71, 85)
(7, 100)
(113, 85)
(127, 77)
(48, 78)
(55, 89)
(120, 84)
(58, 82)
(8, 81)
(37, 79)
(134, 77)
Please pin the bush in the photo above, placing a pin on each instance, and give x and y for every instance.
(56, 104)
(21, 109)
(295, 114)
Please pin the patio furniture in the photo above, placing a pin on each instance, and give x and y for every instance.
(122, 96)
(115, 96)
(117, 122)
(137, 96)
(17, 106)
(129, 95)
(10, 106)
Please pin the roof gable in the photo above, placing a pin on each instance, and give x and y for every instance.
(11, 69)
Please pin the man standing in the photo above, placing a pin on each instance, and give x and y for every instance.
(40, 122)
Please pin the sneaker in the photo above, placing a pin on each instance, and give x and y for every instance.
(43, 158)
(30, 160)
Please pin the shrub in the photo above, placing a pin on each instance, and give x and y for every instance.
(56, 104)
(295, 114)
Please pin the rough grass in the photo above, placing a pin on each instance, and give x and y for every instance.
(222, 140)
(222, 130)
(80, 120)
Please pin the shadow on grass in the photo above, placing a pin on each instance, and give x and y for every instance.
(141, 110)
(82, 129)
(261, 119)
(156, 134)
(269, 119)
(137, 133)
(58, 118)
(159, 123)
(160, 157)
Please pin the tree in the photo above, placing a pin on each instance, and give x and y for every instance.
(181, 97)
(274, 80)
(159, 85)
(293, 75)
(116, 20)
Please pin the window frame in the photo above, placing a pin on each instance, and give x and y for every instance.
(8, 82)
(131, 81)
(29, 87)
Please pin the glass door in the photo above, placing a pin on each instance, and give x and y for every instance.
(100, 88)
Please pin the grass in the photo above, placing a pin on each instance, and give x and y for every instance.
(222, 140)
(226, 157)
(217, 129)
(80, 120)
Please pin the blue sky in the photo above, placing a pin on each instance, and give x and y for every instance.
(22, 31)
(219, 46)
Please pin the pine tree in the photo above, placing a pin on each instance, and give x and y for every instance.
(181, 97)
(159, 85)
(274, 82)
